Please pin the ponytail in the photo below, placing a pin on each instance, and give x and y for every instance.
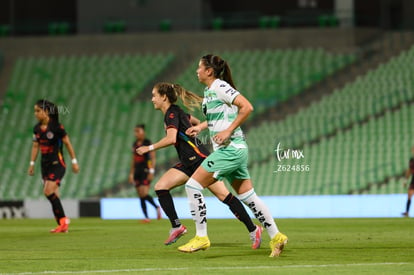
(173, 91)
(220, 68)
(189, 99)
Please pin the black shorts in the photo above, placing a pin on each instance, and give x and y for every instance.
(53, 171)
(188, 169)
(141, 179)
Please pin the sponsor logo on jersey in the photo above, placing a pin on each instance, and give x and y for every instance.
(49, 135)
(231, 91)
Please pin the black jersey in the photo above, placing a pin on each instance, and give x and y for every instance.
(141, 161)
(189, 149)
(50, 142)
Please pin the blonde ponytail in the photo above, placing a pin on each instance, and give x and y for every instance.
(190, 100)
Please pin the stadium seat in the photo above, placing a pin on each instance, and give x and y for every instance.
(95, 94)
(279, 74)
(217, 23)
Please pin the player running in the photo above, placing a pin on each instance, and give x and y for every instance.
(410, 191)
(142, 172)
(49, 136)
(225, 109)
(191, 153)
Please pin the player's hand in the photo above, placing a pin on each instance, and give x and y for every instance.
(222, 137)
(131, 178)
(75, 168)
(193, 131)
(150, 177)
(142, 150)
(30, 171)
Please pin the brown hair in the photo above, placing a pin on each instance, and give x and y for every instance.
(50, 108)
(220, 68)
(175, 91)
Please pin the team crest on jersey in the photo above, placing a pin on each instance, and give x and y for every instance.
(49, 135)
(171, 115)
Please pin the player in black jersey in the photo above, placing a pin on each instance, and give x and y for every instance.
(142, 171)
(49, 136)
(410, 191)
(191, 154)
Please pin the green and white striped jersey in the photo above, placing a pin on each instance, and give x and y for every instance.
(220, 112)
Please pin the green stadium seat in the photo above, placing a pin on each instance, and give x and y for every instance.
(5, 30)
(100, 120)
(165, 25)
(217, 23)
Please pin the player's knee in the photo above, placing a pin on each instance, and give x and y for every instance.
(160, 185)
(47, 191)
(193, 184)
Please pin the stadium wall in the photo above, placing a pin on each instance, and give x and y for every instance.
(139, 15)
(188, 42)
(337, 206)
(326, 206)
(39, 209)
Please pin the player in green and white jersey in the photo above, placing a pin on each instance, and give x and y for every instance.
(225, 109)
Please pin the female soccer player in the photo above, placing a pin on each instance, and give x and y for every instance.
(49, 135)
(142, 171)
(410, 191)
(191, 153)
(225, 109)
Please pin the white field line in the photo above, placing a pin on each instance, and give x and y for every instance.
(218, 268)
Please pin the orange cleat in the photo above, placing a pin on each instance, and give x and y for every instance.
(63, 226)
(145, 221)
(256, 237)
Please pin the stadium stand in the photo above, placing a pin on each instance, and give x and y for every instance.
(98, 91)
(367, 158)
(368, 96)
(269, 77)
(94, 94)
(297, 68)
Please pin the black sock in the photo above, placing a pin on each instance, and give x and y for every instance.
(151, 201)
(56, 207)
(167, 205)
(407, 209)
(144, 207)
(239, 211)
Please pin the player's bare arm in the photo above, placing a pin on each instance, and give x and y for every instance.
(195, 130)
(71, 151)
(168, 140)
(131, 171)
(33, 156)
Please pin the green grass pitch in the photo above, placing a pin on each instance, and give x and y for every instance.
(94, 246)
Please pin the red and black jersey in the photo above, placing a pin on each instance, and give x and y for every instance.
(189, 149)
(141, 161)
(50, 142)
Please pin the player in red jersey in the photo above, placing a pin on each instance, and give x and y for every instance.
(49, 136)
(142, 172)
